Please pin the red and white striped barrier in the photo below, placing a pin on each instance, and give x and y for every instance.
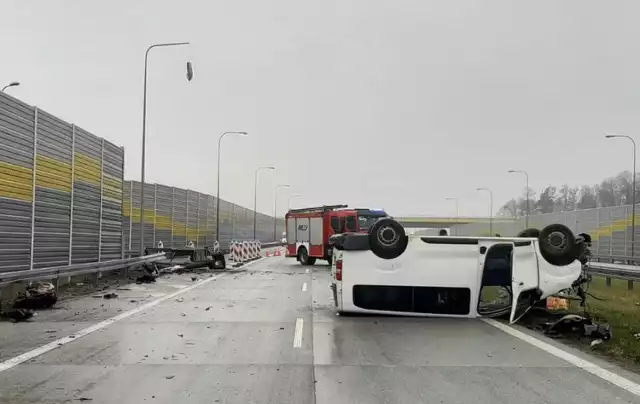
(245, 250)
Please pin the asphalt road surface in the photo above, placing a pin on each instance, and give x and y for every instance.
(269, 334)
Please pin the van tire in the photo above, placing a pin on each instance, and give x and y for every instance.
(558, 244)
(387, 239)
(530, 232)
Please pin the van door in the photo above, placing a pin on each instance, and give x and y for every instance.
(524, 276)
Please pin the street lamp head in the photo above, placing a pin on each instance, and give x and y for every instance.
(14, 84)
(189, 71)
(511, 171)
(612, 135)
(269, 168)
(242, 133)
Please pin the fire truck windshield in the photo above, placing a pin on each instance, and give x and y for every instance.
(366, 220)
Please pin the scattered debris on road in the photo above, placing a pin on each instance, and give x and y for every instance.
(17, 315)
(562, 324)
(38, 295)
(146, 278)
(110, 296)
(180, 299)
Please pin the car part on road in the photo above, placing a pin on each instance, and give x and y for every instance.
(38, 295)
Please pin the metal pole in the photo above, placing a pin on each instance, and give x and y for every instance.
(275, 209)
(144, 134)
(198, 220)
(218, 182)
(633, 202)
(291, 196)
(490, 212)
(255, 197)
(101, 203)
(490, 209)
(255, 202)
(13, 84)
(33, 184)
(633, 191)
(457, 217)
(155, 211)
(73, 179)
(457, 212)
(275, 214)
(526, 220)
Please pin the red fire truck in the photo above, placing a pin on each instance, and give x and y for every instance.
(309, 229)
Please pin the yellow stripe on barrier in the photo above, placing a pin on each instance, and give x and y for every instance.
(87, 169)
(16, 182)
(53, 174)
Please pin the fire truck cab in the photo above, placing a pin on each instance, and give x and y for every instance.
(309, 229)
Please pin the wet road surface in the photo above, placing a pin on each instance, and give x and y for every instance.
(269, 334)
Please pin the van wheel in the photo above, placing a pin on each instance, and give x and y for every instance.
(387, 239)
(530, 232)
(558, 244)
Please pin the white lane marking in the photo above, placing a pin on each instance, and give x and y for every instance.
(16, 360)
(304, 287)
(297, 335)
(306, 271)
(592, 368)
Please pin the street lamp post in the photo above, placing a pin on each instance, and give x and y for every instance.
(255, 197)
(144, 130)
(12, 84)
(291, 196)
(218, 182)
(490, 209)
(526, 219)
(275, 208)
(633, 191)
(457, 212)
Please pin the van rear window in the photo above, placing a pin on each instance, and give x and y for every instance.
(413, 299)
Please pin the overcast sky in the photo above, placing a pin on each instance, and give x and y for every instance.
(383, 104)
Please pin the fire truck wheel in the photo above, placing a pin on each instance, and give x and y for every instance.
(303, 257)
(530, 232)
(387, 239)
(558, 244)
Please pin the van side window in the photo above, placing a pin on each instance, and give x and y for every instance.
(351, 223)
(335, 224)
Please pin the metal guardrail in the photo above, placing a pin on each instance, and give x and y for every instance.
(131, 253)
(7, 278)
(616, 259)
(618, 271)
(77, 269)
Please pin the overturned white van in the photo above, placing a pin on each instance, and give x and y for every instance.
(387, 272)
